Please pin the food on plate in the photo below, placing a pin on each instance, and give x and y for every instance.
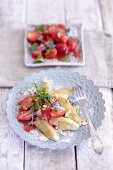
(48, 110)
(70, 109)
(64, 123)
(63, 92)
(52, 42)
(47, 129)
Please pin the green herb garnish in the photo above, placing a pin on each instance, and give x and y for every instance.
(32, 109)
(47, 52)
(66, 59)
(39, 60)
(34, 106)
(42, 95)
(33, 47)
(49, 44)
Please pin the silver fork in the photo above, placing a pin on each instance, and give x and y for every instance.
(83, 101)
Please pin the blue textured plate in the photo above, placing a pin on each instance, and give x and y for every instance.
(60, 79)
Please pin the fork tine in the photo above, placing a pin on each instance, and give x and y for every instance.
(82, 91)
(76, 91)
(79, 91)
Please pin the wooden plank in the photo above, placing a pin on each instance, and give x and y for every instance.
(86, 157)
(45, 12)
(12, 13)
(11, 146)
(41, 12)
(44, 159)
(86, 12)
(106, 7)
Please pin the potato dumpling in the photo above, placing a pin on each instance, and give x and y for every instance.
(47, 84)
(73, 113)
(63, 92)
(64, 123)
(47, 129)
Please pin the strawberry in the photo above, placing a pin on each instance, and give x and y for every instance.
(25, 103)
(24, 116)
(72, 44)
(57, 113)
(36, 53)
(32, 36)
(52, 54)
(61, 48)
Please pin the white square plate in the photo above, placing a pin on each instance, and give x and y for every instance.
(75, 31)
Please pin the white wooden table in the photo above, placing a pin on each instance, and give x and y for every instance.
(15, 154)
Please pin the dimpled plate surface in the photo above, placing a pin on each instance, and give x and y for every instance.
(60, 79)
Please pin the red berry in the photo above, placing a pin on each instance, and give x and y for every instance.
(35, 54)
(72, 44)
(61, 48)
(32, 36)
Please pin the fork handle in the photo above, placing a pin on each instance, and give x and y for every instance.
(96, 141)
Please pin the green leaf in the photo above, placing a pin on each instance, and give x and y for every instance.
(39, 60)
(36, 107)
(31, 104)
(41, 28)
(33, 47)
(47, 52)
(49, 44)
(32, 109)
(66, 59)
(42, 96)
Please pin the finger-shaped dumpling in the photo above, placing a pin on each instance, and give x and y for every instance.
(73, 113)
(63, 92)
(47, 84)
(47, 129)
(64, 123)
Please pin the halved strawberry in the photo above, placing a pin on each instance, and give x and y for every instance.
(56, 32)
(36, 53)
(72, 44)
(24, 116)
(52, 54)
(46, 112)
(52, 29)
(57, 113)
(25, 103)
(61, 48)
(60, 38)
(32, 36)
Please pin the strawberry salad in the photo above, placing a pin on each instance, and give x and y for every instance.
(52, 42)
